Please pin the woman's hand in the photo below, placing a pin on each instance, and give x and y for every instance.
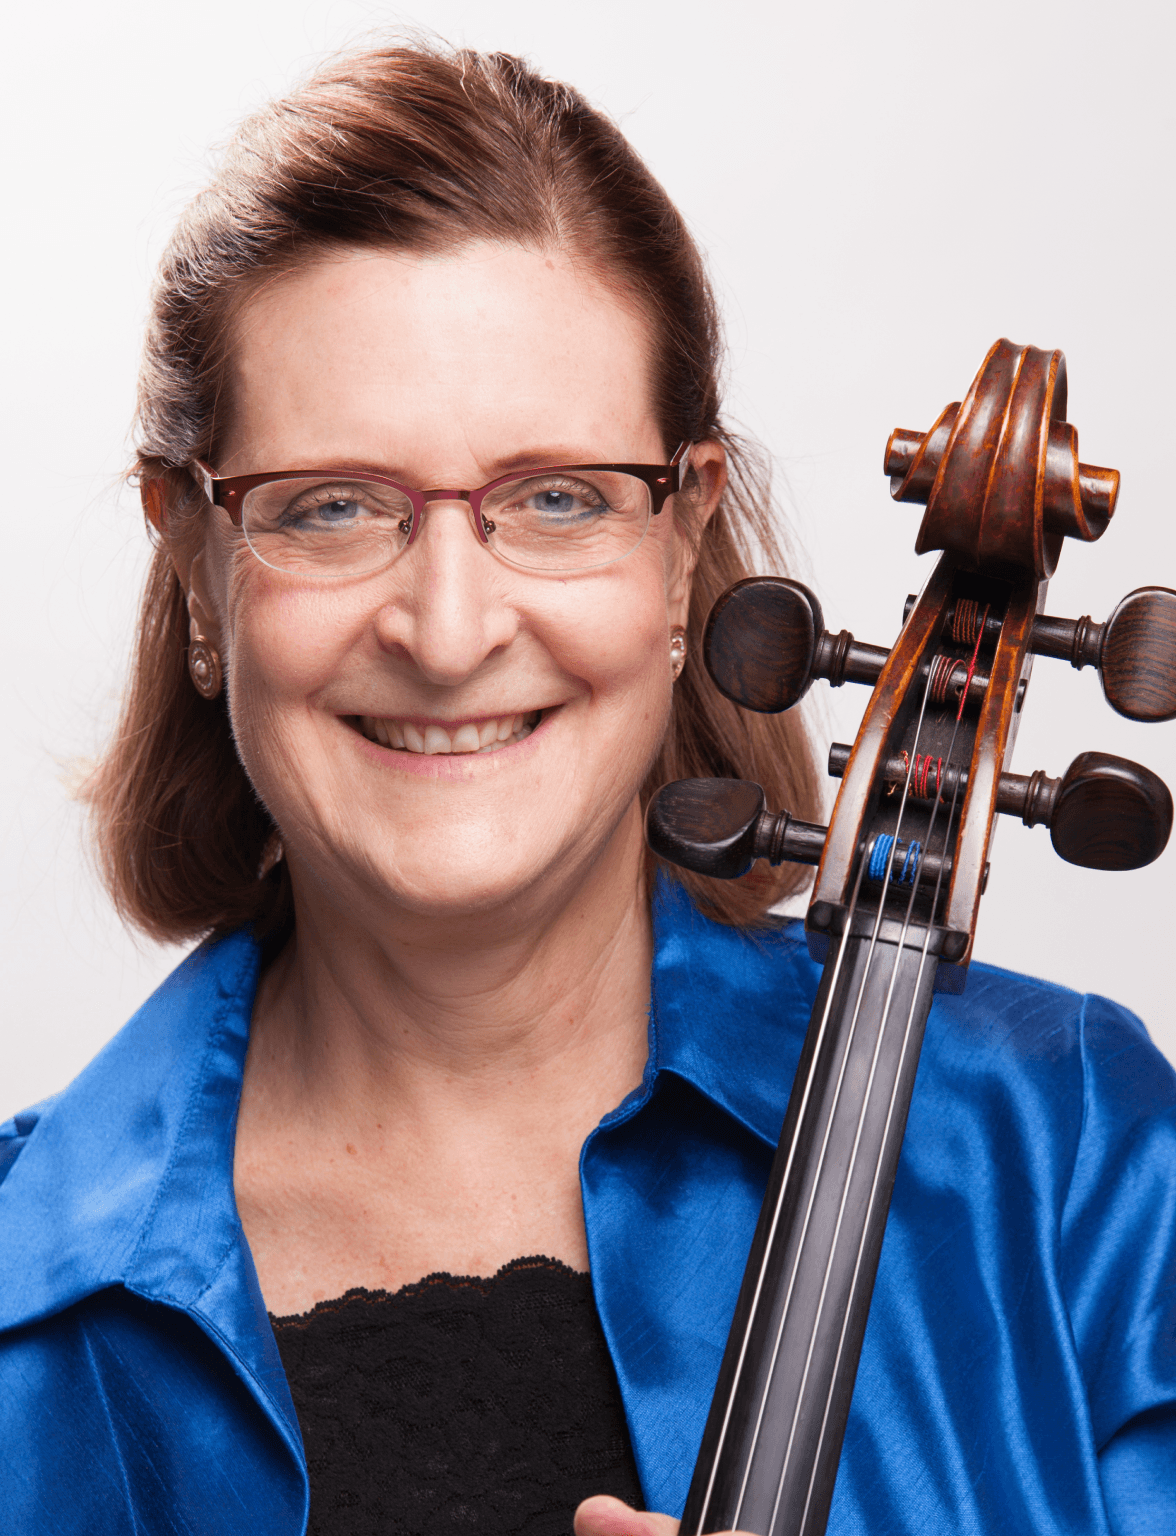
(605, 1516)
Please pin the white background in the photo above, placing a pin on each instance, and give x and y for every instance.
(882, 190)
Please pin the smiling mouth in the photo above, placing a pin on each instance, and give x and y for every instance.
(489, 735)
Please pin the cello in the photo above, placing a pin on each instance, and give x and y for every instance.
(900, 872)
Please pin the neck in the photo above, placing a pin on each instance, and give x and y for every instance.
(392, 1012)
(417, 1091)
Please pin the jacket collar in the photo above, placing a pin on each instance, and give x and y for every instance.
(126, 1177)
(729, 1009)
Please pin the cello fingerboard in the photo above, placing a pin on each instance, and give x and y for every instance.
(769, 1455)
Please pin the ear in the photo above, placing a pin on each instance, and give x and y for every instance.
(192, 571)
(708, 473)
(190, 562)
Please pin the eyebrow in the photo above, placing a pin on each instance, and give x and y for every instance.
(538, 457)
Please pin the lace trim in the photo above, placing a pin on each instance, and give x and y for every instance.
(479, 1283)
(458, 1405)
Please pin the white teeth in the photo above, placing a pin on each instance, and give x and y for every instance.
(466, 739)
(435, 740)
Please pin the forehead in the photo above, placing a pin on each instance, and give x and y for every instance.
(430, 363)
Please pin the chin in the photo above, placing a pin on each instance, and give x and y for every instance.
(444, 850)
(453, 871)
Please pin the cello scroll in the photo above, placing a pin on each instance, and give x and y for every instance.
(1000, 473)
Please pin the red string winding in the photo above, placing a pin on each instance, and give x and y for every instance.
(920, 779)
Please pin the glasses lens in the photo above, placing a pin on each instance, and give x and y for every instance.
(561, 520)
(326, 527)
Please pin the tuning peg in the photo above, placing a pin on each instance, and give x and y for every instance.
(1103, 813)
(765, 641)
(1134, 651)
(719, 827)
(1109, 813)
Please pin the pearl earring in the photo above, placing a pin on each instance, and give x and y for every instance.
(204, 668)
(677, 652)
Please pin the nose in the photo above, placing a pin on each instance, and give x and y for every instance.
(447, 606)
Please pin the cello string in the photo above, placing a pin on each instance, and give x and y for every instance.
(870, 1088)
(807, 1089)
(832, 1112)
(916, 879)
(866, 974)
(893, 1094)
(801, 1114)
(760, 1278)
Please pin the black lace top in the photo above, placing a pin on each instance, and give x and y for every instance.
(458, 1405)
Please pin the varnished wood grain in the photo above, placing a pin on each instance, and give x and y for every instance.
(1138, 660)
(1110, 813)
(996, 732)
(707, 825)
(999, 473)
(1000, 476)
(861, 779)
(759, 642)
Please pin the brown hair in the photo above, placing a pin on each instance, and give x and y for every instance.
(409, 148)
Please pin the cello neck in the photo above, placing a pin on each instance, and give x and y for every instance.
(769, 1454)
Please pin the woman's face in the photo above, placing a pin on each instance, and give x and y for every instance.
(445, 372)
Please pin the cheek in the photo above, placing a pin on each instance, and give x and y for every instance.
(613, 638)
(286, 640)
(287, 645)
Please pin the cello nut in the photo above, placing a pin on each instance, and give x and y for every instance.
(954, 945)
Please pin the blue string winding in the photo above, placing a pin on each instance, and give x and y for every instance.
(900, 874)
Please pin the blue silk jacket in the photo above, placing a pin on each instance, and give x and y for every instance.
(1019, 1368)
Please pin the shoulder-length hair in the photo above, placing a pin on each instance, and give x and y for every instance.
(411, 149)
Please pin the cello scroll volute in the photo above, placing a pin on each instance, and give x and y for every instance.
(999, 473)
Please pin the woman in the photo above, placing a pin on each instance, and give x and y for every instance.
(430, 436)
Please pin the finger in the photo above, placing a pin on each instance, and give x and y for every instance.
(605, 1516)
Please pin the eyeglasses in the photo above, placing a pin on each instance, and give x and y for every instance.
(340, 522)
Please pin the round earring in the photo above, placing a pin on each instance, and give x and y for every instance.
(677, 652)
(204, 668)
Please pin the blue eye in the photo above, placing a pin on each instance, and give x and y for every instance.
(556, 506)
(558, 502)
(338, 511)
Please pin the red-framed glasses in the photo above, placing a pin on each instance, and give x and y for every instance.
(343, 522)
